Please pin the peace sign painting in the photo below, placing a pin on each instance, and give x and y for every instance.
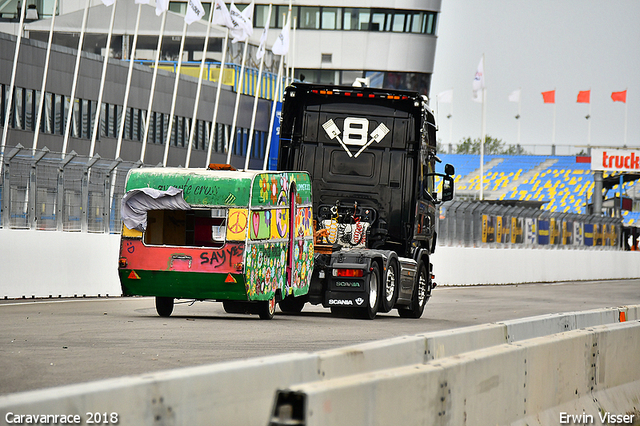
(237, 224)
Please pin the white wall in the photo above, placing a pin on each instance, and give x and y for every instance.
(465, 266)
(50, 263)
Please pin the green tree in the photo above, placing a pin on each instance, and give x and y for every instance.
(491, 146)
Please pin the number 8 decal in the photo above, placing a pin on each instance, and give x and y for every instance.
(355, 130)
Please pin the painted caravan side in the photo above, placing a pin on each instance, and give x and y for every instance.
(221, 235)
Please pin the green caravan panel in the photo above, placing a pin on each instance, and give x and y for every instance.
(201, 187)
(272, 189)
(183, 285)
(266, 269)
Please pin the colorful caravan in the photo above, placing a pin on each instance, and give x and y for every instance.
(241, 237)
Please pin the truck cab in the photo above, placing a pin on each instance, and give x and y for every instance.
(371, 157)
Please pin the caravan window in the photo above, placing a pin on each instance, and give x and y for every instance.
(193, 228)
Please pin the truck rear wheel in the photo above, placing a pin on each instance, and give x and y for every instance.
(389, 288)
(420, 296)
(164, 306)
(370, 311)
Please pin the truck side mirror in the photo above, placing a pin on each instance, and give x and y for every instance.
(449, 169)
(447, 187)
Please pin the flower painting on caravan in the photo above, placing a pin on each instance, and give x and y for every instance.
(240, 237)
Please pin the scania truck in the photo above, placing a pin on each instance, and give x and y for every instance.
(371, 155)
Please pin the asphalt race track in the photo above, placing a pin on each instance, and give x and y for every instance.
(52, 342)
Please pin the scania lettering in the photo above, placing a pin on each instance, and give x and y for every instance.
(340, 302)
(371, 155)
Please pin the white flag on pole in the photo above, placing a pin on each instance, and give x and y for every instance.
(515, 96)
(242, 23)
(445, 97)
(161, 6)
(108, 2)
(478, 82)
(281, 45)
(195, 11)
(263, 38)
(221, 15)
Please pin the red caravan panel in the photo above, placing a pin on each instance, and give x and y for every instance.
(228, 259)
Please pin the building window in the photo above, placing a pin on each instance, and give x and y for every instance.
(331, 18)
(309, 18)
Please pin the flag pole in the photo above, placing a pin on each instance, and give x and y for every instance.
(125, 102)
(45, 73)
(74, 84)
(553, 126)
(175, 95)
(255, 100)
(273, 114)
(12, 85)
(147, 123)
(483, 132)
(232, 136)
(199, 89)
(293, 51)
(589, 121)
(96, 123)
(215, 108)
(625, 117)
(451, 120)
(519, 112)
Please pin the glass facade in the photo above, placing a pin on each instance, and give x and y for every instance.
(26, 101)
(348, 19)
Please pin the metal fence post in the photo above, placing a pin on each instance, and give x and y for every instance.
(33, 187)
(107, 198)
(5, 212)
(85, 192)
(60, 194)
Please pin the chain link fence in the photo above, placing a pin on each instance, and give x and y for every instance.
(46, 190)
(517, 225)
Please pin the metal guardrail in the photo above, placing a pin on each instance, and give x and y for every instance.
(482, 224)
(71, 192)
(52, 191)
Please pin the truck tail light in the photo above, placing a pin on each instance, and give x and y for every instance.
(344, 272)
(122, 262)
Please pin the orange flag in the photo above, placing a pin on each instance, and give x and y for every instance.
(584, 96)
(619, 96)
(549, 97)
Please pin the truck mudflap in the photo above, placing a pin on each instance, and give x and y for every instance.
(343, 299)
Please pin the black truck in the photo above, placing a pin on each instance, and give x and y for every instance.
(371, 154)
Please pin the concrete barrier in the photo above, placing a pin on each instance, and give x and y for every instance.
(241, 392)
(501, 385)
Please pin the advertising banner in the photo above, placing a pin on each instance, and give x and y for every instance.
(578, 234)
(488, 229)
(554, 231)
(567, 233)
(543, 231)
(530, 231)
(516, 230)
(617, 160)
(588, 234)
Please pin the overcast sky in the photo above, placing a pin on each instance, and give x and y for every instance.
(566, 45)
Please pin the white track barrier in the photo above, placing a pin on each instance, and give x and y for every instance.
(514, 266)
(69, 264)
(242, 392)
(571, 373)
(58, 264)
